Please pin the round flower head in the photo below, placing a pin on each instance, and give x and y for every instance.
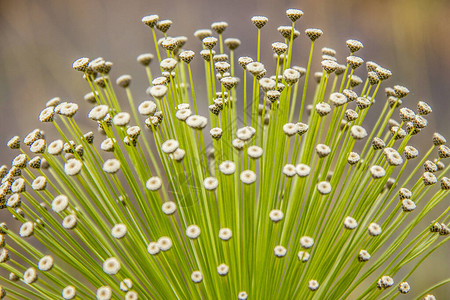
(55, 147)
(97, 113)
(121, 119)
(354, 61)
(443, 151)
(169, 43)
(193, 231)
(14, 142)
(238, 144)
(39, 184)
(216, 133)
(210, 183)
(119, 231)
(248, 177)
(45, 263)
(73, 167)
(323, 109)
(255, 68)
(27, 229)
(306, 242)
(358, 132)
(430, 166)
(104, 293)
(290, 129)
(324, 187)
(153, 184)
(158, 91)
(164, 243)
(126, 285)
(197, 276)
(373, 78)
(4, 255)
(38, 146)
(350, 223)
(145, 59)
(30, 276)
(313, 33)
(220, 58)
(227, 167)
(280, 251)
(131, 295)
(14, 201)
(225, 234)
(445, 183)
(197, 122)
(219, 27)
(302, 128)
(279, 48)
(244, 61)
(163, 25)
(362, 102)
(111, 166)
(232, 43)
(322, 150)
(254, 152)
(354, 45)
(429, 178)
(187, 56)
(302, 170)
(69, 292)
(363, 256)
(178, 155)
(150, 20)
(209, 42)
(291, 76)
(47, 114)
(377, 172)
(81, 64)
(183, 114)
(408, 205)
(169, 146)
(153, 248)
(338, 99)
(374, 229)
(378, 143)
(267, 84)
(222, 269)
(351, 115)
(67, 109)
(111, 266)
(133, 131)
(404, 287)
(289, 170)
(60, 203)
(276, 215)
(294, 14)
(229, 82)
(168, 64)
(259, 21)
(70, 221)
(20, 161)
(329, 66)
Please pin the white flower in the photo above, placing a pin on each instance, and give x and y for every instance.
(193, 231)
(374, 229)
(306, 242)
(153, 248)
(119, 231)
(227, 167)
(126, 285)
(254, 152)
(69, 292)
(169, 146)
(280, 251)
(111, 266)
(302, 170)
(225, 234)
(147, 108)
(70, 221)
(45, 263)
(72, 167)
(222, 269)
(104, 293)
(164, 243)
(153, 184)
(248, 176)
(169, 208)
(98, 112)
(30, 276)
(27, 229)
(196, 276)
(210, 183)
(111, 166)
(60, 203)
(276, 215)
(350, 223)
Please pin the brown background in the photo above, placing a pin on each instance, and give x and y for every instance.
(40, 39)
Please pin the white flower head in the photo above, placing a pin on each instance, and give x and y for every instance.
(225, 234)
(111, 266)
(45, 263)
(302, 170)
(60, 203)
(164, 243)
(119, 231)
(306, 242)
(69, 292)
(279, 251)
(73, 167)
(27, 229)
(197, 276)
(111, 166)
(169, 146)
(223, 269)
(153, 248)
(169, 208)
(276, 215)
(210, 183)
(248, 177)
(154, 183)
(193, 231)
(104, 293)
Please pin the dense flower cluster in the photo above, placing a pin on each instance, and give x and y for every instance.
(293, 198)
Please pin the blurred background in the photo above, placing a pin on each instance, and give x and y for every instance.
(39, 40)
